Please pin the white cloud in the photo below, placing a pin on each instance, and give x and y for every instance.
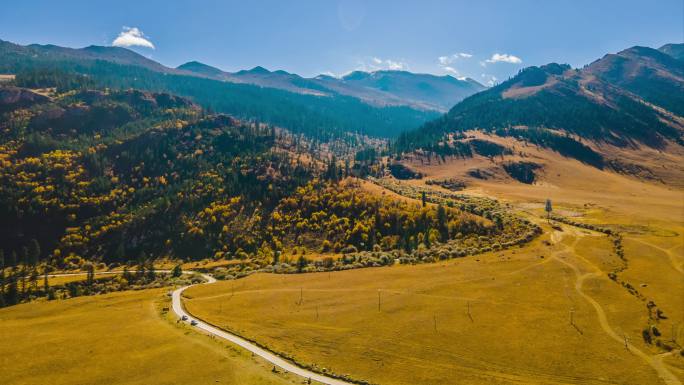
(505, 58)
(329, 73)
(451, 70)
(132, 36)
(490, 80)
(378, 64)
(395, 65)
(446, 60)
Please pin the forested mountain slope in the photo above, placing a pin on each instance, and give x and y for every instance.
(633, 98)
(120, 176)
(319, 117)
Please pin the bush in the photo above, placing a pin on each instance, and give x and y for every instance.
(646, 334)
(349, 249)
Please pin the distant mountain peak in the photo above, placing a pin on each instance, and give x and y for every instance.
(676, 50)
(259, 70)
(200, 68)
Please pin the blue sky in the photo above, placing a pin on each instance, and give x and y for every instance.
(485, 40)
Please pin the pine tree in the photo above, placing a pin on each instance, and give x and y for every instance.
(2, 277)
(151, 274)
(23, 273)
(301, 263)
(548, 208)
(90, 278)
(177, 271)
(127, 274)
(442, 223)
(12, 294)
(12, 262)
(33, 252)
(46, 283)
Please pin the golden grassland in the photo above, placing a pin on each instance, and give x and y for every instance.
(119, 338)
(61, 280)
(421, 330)
(543, 313)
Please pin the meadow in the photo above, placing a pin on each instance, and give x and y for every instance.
(118, 338)
(546, 312)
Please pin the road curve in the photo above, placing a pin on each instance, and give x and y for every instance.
(178, 308)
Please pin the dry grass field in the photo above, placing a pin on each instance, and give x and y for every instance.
(545, 313)
(118, 338)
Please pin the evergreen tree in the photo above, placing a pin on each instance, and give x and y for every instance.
(151, 274)
(46, 284)
(127, 275)
(24, 271)
(301, 263)
(140, 272)
(177, 271)
(12, 295)
(90, 278)
(12, 260)
(442, 223)
(33, 252)
(2, 277)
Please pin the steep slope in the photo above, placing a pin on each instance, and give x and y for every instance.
(110, 175)
(628, 99)
(651, 75)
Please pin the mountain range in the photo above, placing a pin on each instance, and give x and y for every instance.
(322, 108)
(631, 98)
(380, 88)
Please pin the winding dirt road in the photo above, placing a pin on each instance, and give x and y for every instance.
(177, 304)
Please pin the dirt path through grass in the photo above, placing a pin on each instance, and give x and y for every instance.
(654, 361)
(677, 265)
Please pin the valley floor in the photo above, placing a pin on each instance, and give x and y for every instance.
(544, 313)
(118, 338)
